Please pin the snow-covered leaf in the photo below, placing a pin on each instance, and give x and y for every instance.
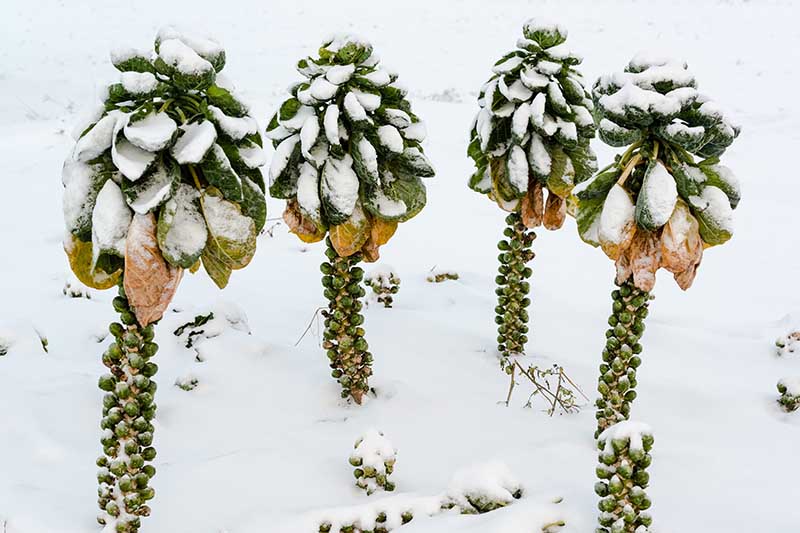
(217, 170)
(182, 230)
(153, 132)
(194, 143)
(149, 192)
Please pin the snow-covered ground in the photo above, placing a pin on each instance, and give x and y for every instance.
(262, 443)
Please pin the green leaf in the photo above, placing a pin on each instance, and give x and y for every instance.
(82, 183)
(219, 272)
(182, 231)
(365, 159)
(617, 136)
(721, 177)
(218, 172)
(657, 197)
(409, 191)
(231, 234)
(289, 109)
(561, 179)
(546, 35)
(254, 205)
(132, 63)
(194, 81)
(412, 162)
(584, 161)
(587, 218)
(687, 178)
(284, 184)
(223, 99)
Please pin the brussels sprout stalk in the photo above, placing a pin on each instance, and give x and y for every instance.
(128, 411)
(344, 337)
(513, 288)
(624, 457)
(621, 356)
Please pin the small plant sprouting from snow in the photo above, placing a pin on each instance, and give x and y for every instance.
(75, 289)
(440, 275)
(384, 283)
(187, 383)
(788, 344)
(373, 458)
(790, 394)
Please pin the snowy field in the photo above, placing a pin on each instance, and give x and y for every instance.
(261, 445)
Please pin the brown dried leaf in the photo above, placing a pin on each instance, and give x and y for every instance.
(555, 212)
(645, 256)
(532, 210)
(300, 225)
(150, 281)
(680, 240)
(623, 264)
(686, 278)
(380, 233)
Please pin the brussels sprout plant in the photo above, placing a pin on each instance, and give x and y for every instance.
(165, 178)
(656, 206)
(624, 457)
(530, 136)
(373, 458)
(349, 160)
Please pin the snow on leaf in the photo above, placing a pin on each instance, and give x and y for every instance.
(657, 198)
(195, 141)
(154, 132)
(322, 89)
(308, 191)
(150, 282)
(150, 192)
(331, 123)
(369, 101)
(82, 183)
(308, 135)
(517, 171)
(339, 74)
(416, 131)
(218, 171)
(280, 158)
(617, 222)
(236, 128)
(354, 109)
(182, 231)
(520, 120)
(339, 188)
(138, 83)
(98, 139)
(81, 261)
(110, 220)
(390, 138)
(231, 235)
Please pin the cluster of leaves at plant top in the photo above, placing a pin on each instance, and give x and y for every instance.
(349, 157)
(172, 143)
(657, 206)
(534, 127)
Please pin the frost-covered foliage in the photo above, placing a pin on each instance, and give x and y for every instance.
(531, 136)
(533, 129)
(788, 344)
(624, 457)
(473, 490)
(348, 147)
(373, 457)
(656, 206)
(173, 142)
(384, 283)
(790, 393)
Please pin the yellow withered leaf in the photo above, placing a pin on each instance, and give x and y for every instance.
(79, 254)
(150, 281)
(379, 234)
(348, 238)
